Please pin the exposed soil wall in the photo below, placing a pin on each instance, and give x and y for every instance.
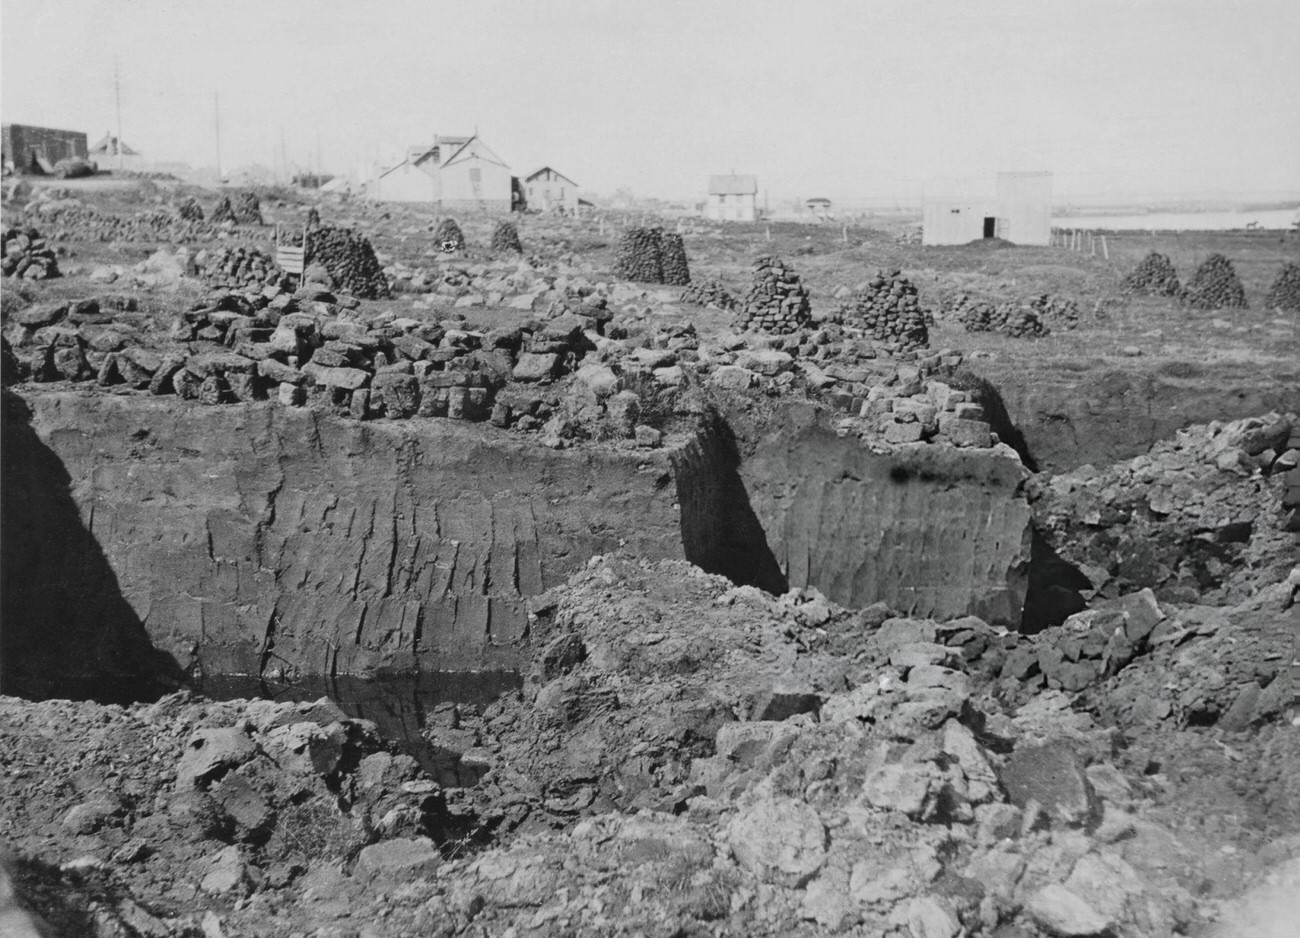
(254, 539)
(1100, 417)
(150, 536)
(933, 531)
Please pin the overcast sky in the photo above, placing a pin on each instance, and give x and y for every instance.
(840, 98)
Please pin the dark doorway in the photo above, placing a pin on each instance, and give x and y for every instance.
(990, 227)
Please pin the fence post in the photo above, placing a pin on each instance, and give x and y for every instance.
(1105, 252)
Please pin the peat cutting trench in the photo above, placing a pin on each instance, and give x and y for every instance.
(150, 543)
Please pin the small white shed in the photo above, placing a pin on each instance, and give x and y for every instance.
(1021, 213)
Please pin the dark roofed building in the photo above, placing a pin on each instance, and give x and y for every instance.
(28, 149)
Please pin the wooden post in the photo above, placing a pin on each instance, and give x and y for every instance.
(1105, 252)
(846, 234)
(769, 233)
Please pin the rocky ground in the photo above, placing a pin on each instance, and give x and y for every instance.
(687, 756)
(690, 757)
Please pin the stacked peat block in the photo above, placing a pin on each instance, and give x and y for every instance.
(777, 302)
(709, 293)
(591, 308)
(1154, 276)
(1215, 285)
(1060, 310)
(350, 260)
(1010, 318)
(1284, 294)
(236, 267)
(27, 255)
(189, 209)
(910, 407)
(86, 224)
(675, 270)
(448, 238)
(249, 210)
(224, 212)
(641, 255)
(505, 238)
(888, 310)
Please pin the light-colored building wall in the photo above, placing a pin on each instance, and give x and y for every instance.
(474, 178)
(1025, 205)
(741, 206)
(1021, 213)
(406, 182)
(955, 222)
(546, 190)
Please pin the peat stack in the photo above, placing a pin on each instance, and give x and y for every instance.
(350, 260)
(640, 255)
(447, 237)
(1215, 285)
(888, 309)
(505, 238)
(27, 255)
(248, 211)
(676, 271)
(709, 293)
(777, 302)
(189, 209)
(1285, 291)
(1154, 276)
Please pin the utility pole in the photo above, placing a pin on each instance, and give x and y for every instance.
(117, 94)
(216, 110)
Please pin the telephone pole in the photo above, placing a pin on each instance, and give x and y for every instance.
(117, 94)
(216, 110)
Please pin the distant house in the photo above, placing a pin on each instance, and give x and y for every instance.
(106, 153)
(1021, 212)
(29, 149)
(547, 190)
(732, 198)
(455, 174)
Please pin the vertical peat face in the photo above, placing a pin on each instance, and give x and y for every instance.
(65, 628)
(720, 532)
(930, 530)
(263, 540)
